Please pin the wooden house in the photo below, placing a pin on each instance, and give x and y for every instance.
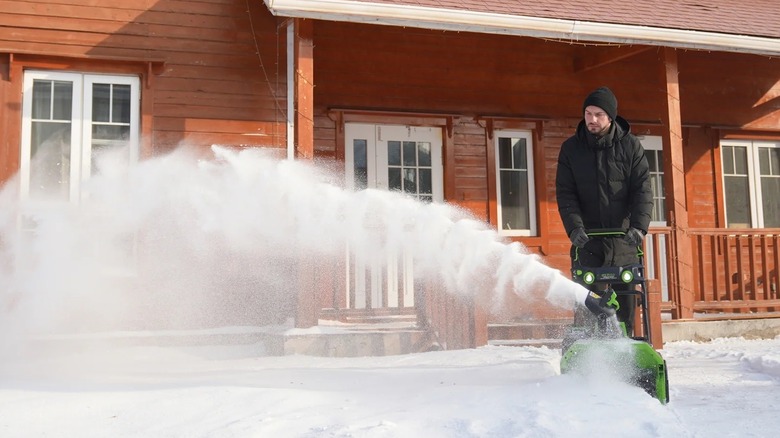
(699, 83)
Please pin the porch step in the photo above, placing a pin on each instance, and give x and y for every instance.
(371, 316)
(528, 333)
(351, 340)
(328, 338)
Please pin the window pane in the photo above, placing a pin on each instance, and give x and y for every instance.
(410, 153)
(63, 100)
(660, 160)
(50, 160)
(394, 179)
(514, 200)
(114, 133)
(101, 103)
(519, 152)
(740, 161)
(728, 160)
(394, 153)
(504, 153)
(770, 188)
(120, 105)
(657, 185)
(737, 201)
(424, 154)
(426, 184)
(650, 155)
(410, 181)
(360, 166)
(769, 161)
(659, 212)
(41, 100)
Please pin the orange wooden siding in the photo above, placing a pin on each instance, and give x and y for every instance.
(212, 79)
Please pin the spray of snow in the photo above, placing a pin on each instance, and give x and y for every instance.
(180, 241)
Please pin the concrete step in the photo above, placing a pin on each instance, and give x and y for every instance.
(528, 329)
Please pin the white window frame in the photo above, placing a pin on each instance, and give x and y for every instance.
(754, 177)
(533, 228)
(654, 143)
(81, 132)
(80, 153)
(376, 136)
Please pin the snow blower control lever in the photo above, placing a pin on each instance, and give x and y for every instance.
(604, 303)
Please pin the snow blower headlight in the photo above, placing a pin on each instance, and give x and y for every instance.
(627, 276)
(588, 277)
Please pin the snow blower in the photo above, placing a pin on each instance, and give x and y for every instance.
(597, 340)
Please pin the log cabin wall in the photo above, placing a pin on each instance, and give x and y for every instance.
(212, 70)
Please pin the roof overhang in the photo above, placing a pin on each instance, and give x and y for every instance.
(573, 31)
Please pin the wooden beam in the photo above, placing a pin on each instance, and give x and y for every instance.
(304, 88)
(606, 57)
(674, 176)
(307, 308)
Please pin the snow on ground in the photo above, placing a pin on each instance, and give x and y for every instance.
(180, 241)
(726, 387)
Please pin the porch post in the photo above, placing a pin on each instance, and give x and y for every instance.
(304, 88)
(307, 308)
(681, 284)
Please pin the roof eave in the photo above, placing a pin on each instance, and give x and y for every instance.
(536, 27)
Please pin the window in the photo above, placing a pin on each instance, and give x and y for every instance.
(406, 159)
(751, 182)
(515, 183)
(68, 120)
(655, 159)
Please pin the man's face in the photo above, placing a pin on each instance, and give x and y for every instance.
(596, 120)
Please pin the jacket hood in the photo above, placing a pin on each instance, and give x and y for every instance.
(622, 129)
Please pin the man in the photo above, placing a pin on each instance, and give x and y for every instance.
(603, 181)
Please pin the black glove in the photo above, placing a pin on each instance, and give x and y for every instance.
(604, 303)
(579, 237)
(634, 236)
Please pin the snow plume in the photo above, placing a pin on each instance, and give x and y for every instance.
(179, 241)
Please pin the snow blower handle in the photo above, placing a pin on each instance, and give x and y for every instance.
(605, 232)
(604, 303)
(632, 236)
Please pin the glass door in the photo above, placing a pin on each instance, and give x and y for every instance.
(68, 120)
(406, 159)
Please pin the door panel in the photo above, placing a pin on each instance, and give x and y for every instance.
(390, 157)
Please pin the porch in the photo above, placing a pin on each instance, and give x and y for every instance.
(734, 290)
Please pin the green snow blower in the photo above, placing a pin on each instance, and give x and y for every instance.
(598, 340)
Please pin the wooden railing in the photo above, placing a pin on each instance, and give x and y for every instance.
(735, 271)
(453, 320)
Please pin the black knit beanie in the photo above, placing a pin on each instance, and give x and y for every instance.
(603, 98)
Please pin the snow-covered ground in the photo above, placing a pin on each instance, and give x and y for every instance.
(726, 387)
(179, 242)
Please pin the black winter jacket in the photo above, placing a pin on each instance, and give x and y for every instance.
(604, 183)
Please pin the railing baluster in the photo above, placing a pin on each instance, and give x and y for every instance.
(776, 280)
(764, 270)
(740, 266)
(714, 245)
(727, 268)
(753, 269)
